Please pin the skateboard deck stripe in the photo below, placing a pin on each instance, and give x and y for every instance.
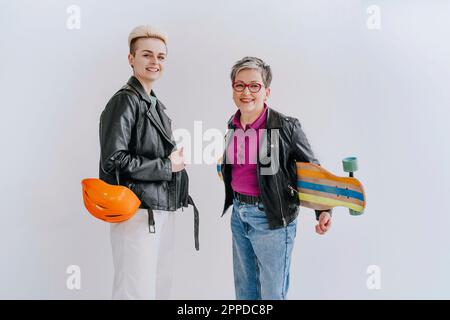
(333, 184)
(330, 189)
(327, 201)
(308, 166)
(322, 175)
(219, 171)
(333, 196)
(314, 206)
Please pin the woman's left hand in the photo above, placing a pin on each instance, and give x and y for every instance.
(324, 223)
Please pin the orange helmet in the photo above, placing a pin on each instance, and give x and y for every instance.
(110, 203)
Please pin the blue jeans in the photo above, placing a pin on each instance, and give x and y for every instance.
(261, 257)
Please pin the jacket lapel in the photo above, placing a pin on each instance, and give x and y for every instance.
(165, 120)
(161, 123)
(273, 119)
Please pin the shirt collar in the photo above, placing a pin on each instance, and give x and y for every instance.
(255, 124)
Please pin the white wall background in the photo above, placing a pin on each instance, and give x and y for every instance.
(381, 95)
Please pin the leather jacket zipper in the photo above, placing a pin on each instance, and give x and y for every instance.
(292, 189)
(278, 192)
(276, 183)
(281, 202)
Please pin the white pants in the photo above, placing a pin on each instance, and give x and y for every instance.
(143, 261)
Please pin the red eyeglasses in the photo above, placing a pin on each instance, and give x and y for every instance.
(252, 87)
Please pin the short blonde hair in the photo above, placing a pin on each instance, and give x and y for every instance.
(144, 31)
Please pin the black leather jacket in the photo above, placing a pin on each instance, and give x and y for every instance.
(278, 180)
(136, 137)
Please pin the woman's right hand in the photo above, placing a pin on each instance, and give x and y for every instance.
(177, 160)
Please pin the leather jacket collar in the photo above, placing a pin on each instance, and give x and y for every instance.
(273, 120)
(134, 82)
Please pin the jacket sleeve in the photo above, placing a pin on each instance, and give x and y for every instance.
(300, 146)
(116, 125)
(302, 151)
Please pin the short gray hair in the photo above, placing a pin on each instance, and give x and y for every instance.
(253, 63)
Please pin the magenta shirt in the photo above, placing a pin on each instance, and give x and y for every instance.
(243, 169)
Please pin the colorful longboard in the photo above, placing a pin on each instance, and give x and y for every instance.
(319, 189)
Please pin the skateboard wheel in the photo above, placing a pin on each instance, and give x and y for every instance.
(355, 213)
(350, 164)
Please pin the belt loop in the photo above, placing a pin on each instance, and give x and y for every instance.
(151, 221)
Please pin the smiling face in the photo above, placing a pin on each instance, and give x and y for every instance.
(250, 102)
(148, 59)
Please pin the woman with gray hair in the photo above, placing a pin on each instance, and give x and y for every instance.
(259, 173)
